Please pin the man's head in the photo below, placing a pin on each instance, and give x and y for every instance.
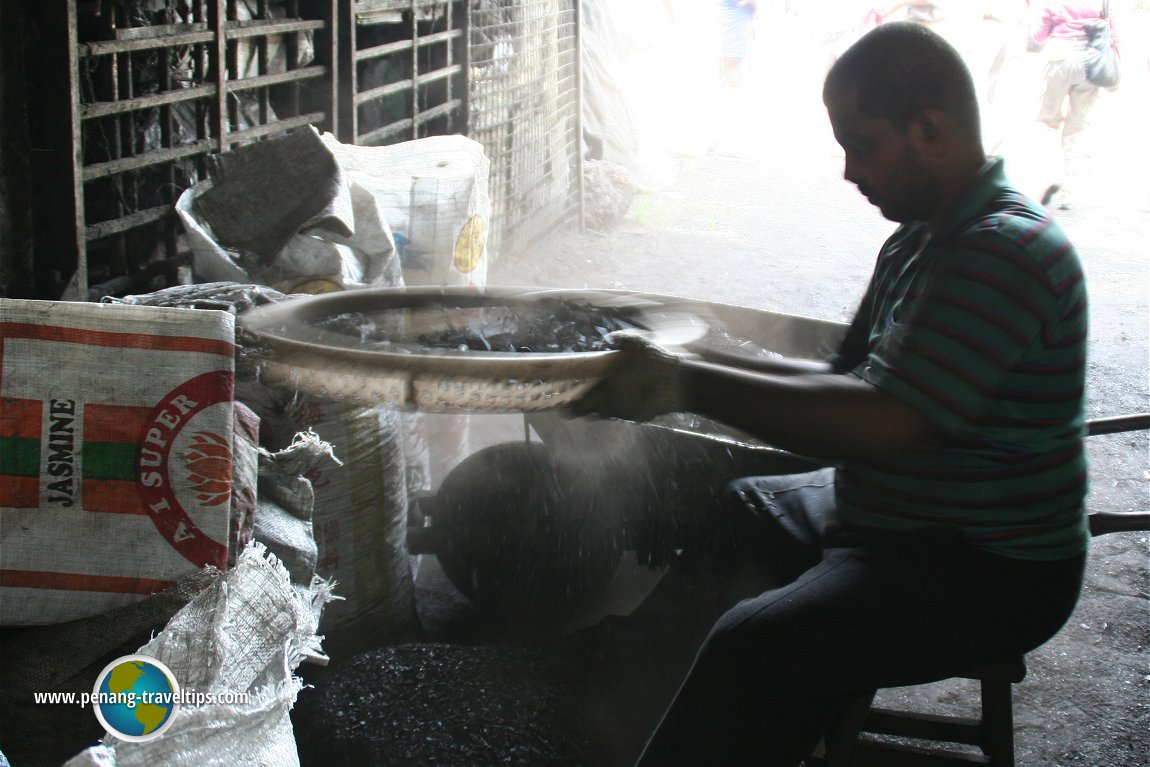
(903, 106)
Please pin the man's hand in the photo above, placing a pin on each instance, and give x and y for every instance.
(646, 382)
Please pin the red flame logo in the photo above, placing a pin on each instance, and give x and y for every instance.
(209, 462)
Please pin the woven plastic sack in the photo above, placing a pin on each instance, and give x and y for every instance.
(67, 658)
(360, 518)
(269, 217)
(116, 430)
(432, 192)
(287, 500)
(245, 634)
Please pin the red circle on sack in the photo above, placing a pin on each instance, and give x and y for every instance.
(153, 483)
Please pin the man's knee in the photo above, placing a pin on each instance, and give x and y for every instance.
(781, 519)
(756, 644)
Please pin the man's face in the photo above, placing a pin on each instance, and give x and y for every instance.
(882, 161)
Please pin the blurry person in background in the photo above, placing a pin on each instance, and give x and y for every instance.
(1058, 32)
(737, 119)
(918, 11)
(993, 53)
(735, 31)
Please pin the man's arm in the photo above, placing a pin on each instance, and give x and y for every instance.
(824, 415)
(775, 363)
(820, 414)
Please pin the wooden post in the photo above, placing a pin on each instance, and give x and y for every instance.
(218, 21)
(345, 73)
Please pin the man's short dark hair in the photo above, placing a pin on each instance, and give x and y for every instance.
(901, 68)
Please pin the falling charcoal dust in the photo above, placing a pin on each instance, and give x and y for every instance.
(440, 704)
(542, 326)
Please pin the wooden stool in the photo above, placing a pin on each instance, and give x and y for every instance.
(851, 743)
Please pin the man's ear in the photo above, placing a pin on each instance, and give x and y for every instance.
(931, 130)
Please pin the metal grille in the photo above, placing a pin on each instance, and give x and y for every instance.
(524, 109)
(157, 87)
(405, 70)
(155, 93)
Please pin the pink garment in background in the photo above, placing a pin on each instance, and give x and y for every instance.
(1063, 21)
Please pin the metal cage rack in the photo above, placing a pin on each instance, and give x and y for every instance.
(153, 90)
(153, 96)
(404, 68)
(525, 111)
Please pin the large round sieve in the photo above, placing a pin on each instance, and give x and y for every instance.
(370, 346)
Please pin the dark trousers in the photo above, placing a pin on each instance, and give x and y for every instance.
(858, 611)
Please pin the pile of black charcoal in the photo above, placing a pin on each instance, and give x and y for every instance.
(440, 704)
(542, 326)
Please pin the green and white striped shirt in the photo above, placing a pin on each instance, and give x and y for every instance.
(983, 329)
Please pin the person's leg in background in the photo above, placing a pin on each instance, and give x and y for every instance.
(1059, 77)
(1082, 98)
(734, 39)
(735, 133)
(1065, 109)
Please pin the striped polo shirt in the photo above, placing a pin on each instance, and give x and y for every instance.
(982, 328)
